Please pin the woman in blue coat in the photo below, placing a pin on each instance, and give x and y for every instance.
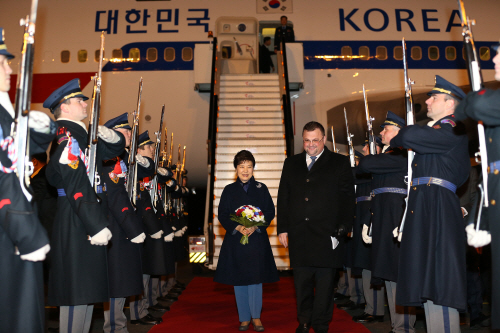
(246, 267)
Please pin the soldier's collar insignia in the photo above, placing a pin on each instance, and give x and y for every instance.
(448, 121)
(436, 126)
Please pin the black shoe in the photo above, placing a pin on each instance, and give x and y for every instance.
(303, 328)
(176, 290)
(479, 322)
(171, 297)
(53, 329)
(367, 318)
(244, 327)
(180, 285)
(351, 306)
(257, 328)
(147, 320)
(339, 297)
(159, 307)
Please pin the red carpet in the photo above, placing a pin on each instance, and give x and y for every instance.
(206, 306)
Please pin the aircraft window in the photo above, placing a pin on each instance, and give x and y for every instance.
(346, 52)
(187, 54)
(433, 53)
(484, 53)
(96, 55)
(398, 53)
(152, 54)
(82, 56)
(64, 56)
(451, 53)
(134, 54)
(381, 53)
(117, 54)
(364, 52)
(416, 53)
(169, 54)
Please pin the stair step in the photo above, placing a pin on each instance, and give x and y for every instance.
(245, 77)
(259, 165)
(262, 157)
(251, 121)
(253, 83)
(248, 135)
(247, 95)
(250, 115)
(234, 108)
(250, 101)
(250, 128)
(231, 149)
(247, 89)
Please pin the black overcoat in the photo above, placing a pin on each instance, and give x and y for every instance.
(485, 105)
(361, 256)
(21, 281)
(124, 257)
(78, 273)
(253, 263)
(388, 170)
(432, 259)
(312, 204)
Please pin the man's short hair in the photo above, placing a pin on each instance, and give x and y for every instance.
(448, 97)
(312, 126)
(283, 16)
(266, 39)
(242, 156)
(57, 110)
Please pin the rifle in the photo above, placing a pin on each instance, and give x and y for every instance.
(369, 123)
(476, 82)
(410, 120)
(154, 184)
(132, 165)
(90, 152)
(334, 146)
(178, 177)
(164, 152)
(20, 131)
(168, 198)
(180, 207)
(349, 142)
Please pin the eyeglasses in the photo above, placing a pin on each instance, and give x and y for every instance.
(315, 141)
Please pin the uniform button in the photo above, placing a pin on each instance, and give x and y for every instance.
(307, 180)
(496, 172)
(493, 202)
(307, 199)
(414, 188)
(415, 164)
(412, 212)
(372, 213)
(307, 219)
(491, 140)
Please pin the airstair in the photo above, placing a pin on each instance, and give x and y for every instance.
(251, 118)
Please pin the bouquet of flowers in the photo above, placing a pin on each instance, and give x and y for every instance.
(248, 216)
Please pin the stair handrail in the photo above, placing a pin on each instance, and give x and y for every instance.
(285, 96)
(212, 145)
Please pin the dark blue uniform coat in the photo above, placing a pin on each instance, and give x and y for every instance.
(253, 263)
(432, 259)
(388, 170)
(485, 105)
(361, 256)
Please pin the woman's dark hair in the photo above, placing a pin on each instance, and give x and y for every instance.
(242, 156)
(312, 126)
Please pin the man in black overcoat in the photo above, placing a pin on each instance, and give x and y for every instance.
(432, 267)
(283, 33)
(315, 211)
(78, 273)
(23, 240)
(485, 105)
(265, 61)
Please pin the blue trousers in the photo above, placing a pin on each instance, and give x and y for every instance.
(249, 301)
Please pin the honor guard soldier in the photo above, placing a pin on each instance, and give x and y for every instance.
(484, 105)
(389, 190)
(23, 240)
(283, 33)
(432, 259)
(373, 294)
(79, 274)
(125, 249)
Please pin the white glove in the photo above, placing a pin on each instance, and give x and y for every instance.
(169, 237)
(178, 233)
(400, 237)
(184, 228)
(157, 235)
(107, 134)
(139, 239)
(39, 121)
(101, 238)
(163, 171)
(367, 239)
(477, 238)
(37, 255)
(174, 228)
(142, 160)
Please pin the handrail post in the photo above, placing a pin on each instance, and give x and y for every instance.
(287, 110)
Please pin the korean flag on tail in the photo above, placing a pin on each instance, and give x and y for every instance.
(274, 6)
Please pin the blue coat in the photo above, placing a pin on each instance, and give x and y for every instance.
(253, 263)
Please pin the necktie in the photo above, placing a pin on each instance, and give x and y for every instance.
(313, 159)
(245, 186)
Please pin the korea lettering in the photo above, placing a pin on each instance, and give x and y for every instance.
(141, 21)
